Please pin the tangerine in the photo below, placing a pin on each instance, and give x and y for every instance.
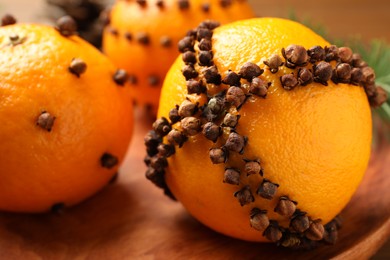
(281, 138)
(65, 123)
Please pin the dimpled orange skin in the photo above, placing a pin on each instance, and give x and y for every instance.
(313, 141)
(153, 59)
(93, 116)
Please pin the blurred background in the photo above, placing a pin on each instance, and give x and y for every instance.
(367, 19)
(336, 19)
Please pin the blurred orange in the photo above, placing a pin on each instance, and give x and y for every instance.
(143, 38)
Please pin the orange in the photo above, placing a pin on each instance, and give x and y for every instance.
(142, 39)
(314, 140)
(46, 163)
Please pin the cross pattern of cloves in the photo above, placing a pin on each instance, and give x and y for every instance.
(315, 65)
(217, 120)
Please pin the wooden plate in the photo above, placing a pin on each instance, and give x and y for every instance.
(131, 219)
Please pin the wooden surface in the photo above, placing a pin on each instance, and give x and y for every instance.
(131, 219)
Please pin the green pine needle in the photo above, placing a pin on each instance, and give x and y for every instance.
(318, 28)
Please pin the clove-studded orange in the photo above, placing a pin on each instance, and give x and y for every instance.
(281, 136)
(142, 37)
(65, 117)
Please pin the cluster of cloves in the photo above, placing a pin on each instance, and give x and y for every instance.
(217, 120)
(158, 152)
(315, 65)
